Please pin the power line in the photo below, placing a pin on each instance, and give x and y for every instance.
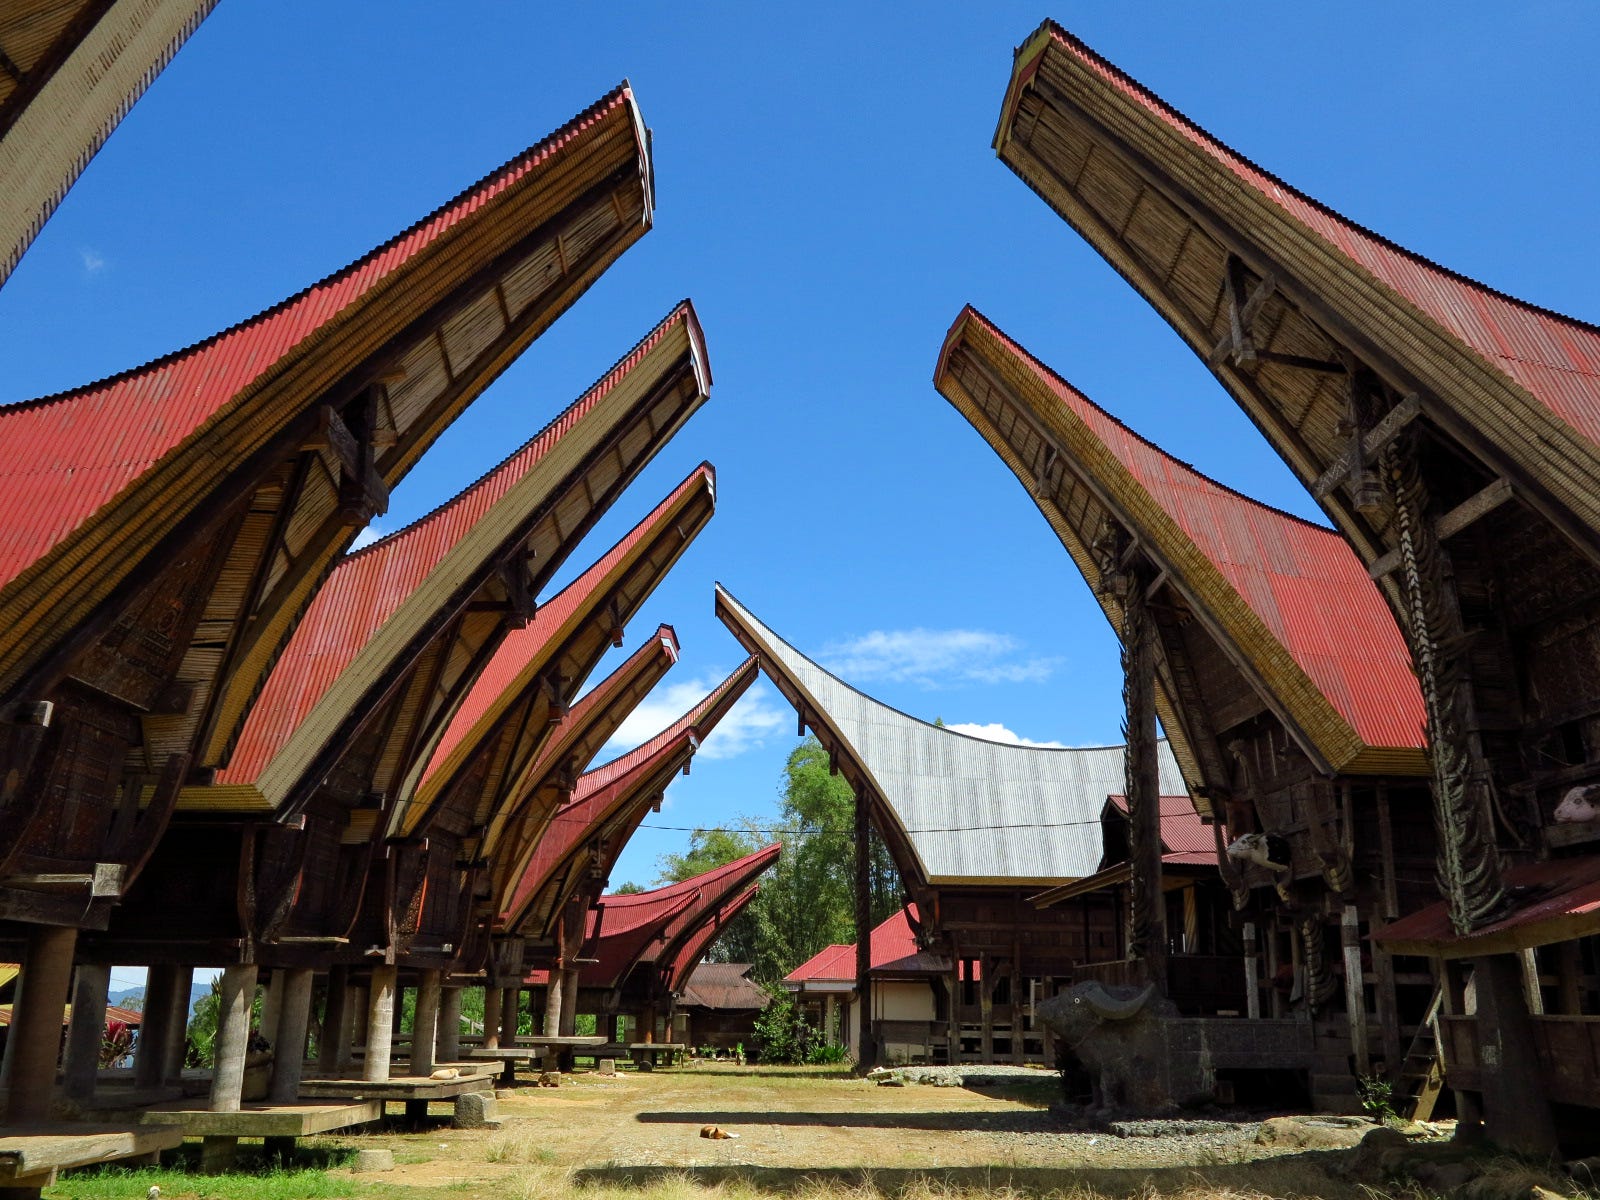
(809, 831)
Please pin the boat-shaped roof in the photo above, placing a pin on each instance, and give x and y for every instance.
(962, 810)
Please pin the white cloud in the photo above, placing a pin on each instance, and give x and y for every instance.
(934, 658)
(996, 732)
(93, 261)
(367, 536)
(745, 727)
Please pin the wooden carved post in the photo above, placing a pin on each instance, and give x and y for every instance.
(1147, 908)
(865, 1055)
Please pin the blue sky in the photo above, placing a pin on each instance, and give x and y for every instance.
(828, 198)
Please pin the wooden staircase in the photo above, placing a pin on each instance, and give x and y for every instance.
(1421, 1075)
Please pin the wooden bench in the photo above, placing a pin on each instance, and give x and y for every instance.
(546, 1049)
(30, 1156)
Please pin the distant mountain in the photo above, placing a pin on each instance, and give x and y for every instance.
(120, 999)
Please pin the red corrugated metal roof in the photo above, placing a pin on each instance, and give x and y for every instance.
(1303, 582)
(604, 791)
(525, 646)
(64, 457)
(893, 948)
(1556, 358)
(1185, 838)
(1554, 901)
(693, 946)
(369, 586)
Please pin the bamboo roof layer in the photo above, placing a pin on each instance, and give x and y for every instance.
(73, 70)
(1166, 203)
(585, 837)
(382, 605)
(953, 809)
(1287, 601)
(255, 439)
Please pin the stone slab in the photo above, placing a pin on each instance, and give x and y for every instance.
(264, 1120)
(36, 1152)
(399, 1087)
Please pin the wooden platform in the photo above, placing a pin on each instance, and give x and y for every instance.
(31, 1156)
(261, 1120)
(644, 1052)
(527, 1049)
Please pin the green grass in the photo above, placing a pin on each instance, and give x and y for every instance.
(112, 1183)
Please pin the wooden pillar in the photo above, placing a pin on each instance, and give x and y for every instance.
(425, 1026)
(509, 1014)
(866, 1057)
(86, 1031)
(1016, 1012)
(448, 1040)
(568, 1025)
(380, 1024)
(492, 997)
(332, 1050)
(238, 995)
(357, 1007)
(986, 1008)
(1147, 907)
(289, 1047)
(1516, 1107)
(1355, 1001)
(1252, 974)
(1272, 970)
(36, 1023)
(1569, 963)
(1388, 1005)
(1531, 988)
(552, 1001)
(271, 1002)
(163, 1008)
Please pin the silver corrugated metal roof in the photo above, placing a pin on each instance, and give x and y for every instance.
(973, 811)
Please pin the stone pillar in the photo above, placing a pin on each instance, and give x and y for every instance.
(332, 1048)
(1516, 1108)
(492, 997)
(294, 1015)
(271, 1003)
(866, 1058)
(510, 1010)
(1355, 995)
(425, 1027)
(380, 1024)
(35, 1033)
(162, 1009)
(448, 1040)
(91, 984)
(552, 1001)
(1252, 976)
(233, 1037)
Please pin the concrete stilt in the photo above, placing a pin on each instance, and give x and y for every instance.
(331, 1050)
(425, 1024)
(380, 1024)
(492, 997)
(87, 1030)
(218, 1154)
(449, 1036)
(178, 1044)
(289, 1051)
(233, 1038)
(155, 1033)
(36, 1023)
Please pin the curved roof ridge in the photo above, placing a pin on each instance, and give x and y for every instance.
(624, 764)
(504, 174)
(532, 450)
(973, 312)
(1078, 46)
(686, 958)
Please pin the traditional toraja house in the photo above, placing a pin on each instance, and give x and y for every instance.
(974, 827)
(908, 997)
(542, 920)
(1451, 434)
(1208, 970)
(719, 1004)
(1277, 669)
(166, 528)
(69, 73)
(472, 818)
(355, 706)
(639, 949)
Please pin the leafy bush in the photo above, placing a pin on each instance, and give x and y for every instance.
(784, 1036)
(1377, 1097)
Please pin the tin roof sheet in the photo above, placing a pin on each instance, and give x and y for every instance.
(1185, 838)
(894, 950)
(971, 810)
(722, 986)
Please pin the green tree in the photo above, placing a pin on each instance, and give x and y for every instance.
(629, 889)
(807, 899)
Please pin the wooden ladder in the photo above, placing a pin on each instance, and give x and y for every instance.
(1421, 1077)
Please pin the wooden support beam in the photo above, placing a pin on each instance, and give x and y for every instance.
(1472, 509)
(865, 1058)
(1372, 444)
